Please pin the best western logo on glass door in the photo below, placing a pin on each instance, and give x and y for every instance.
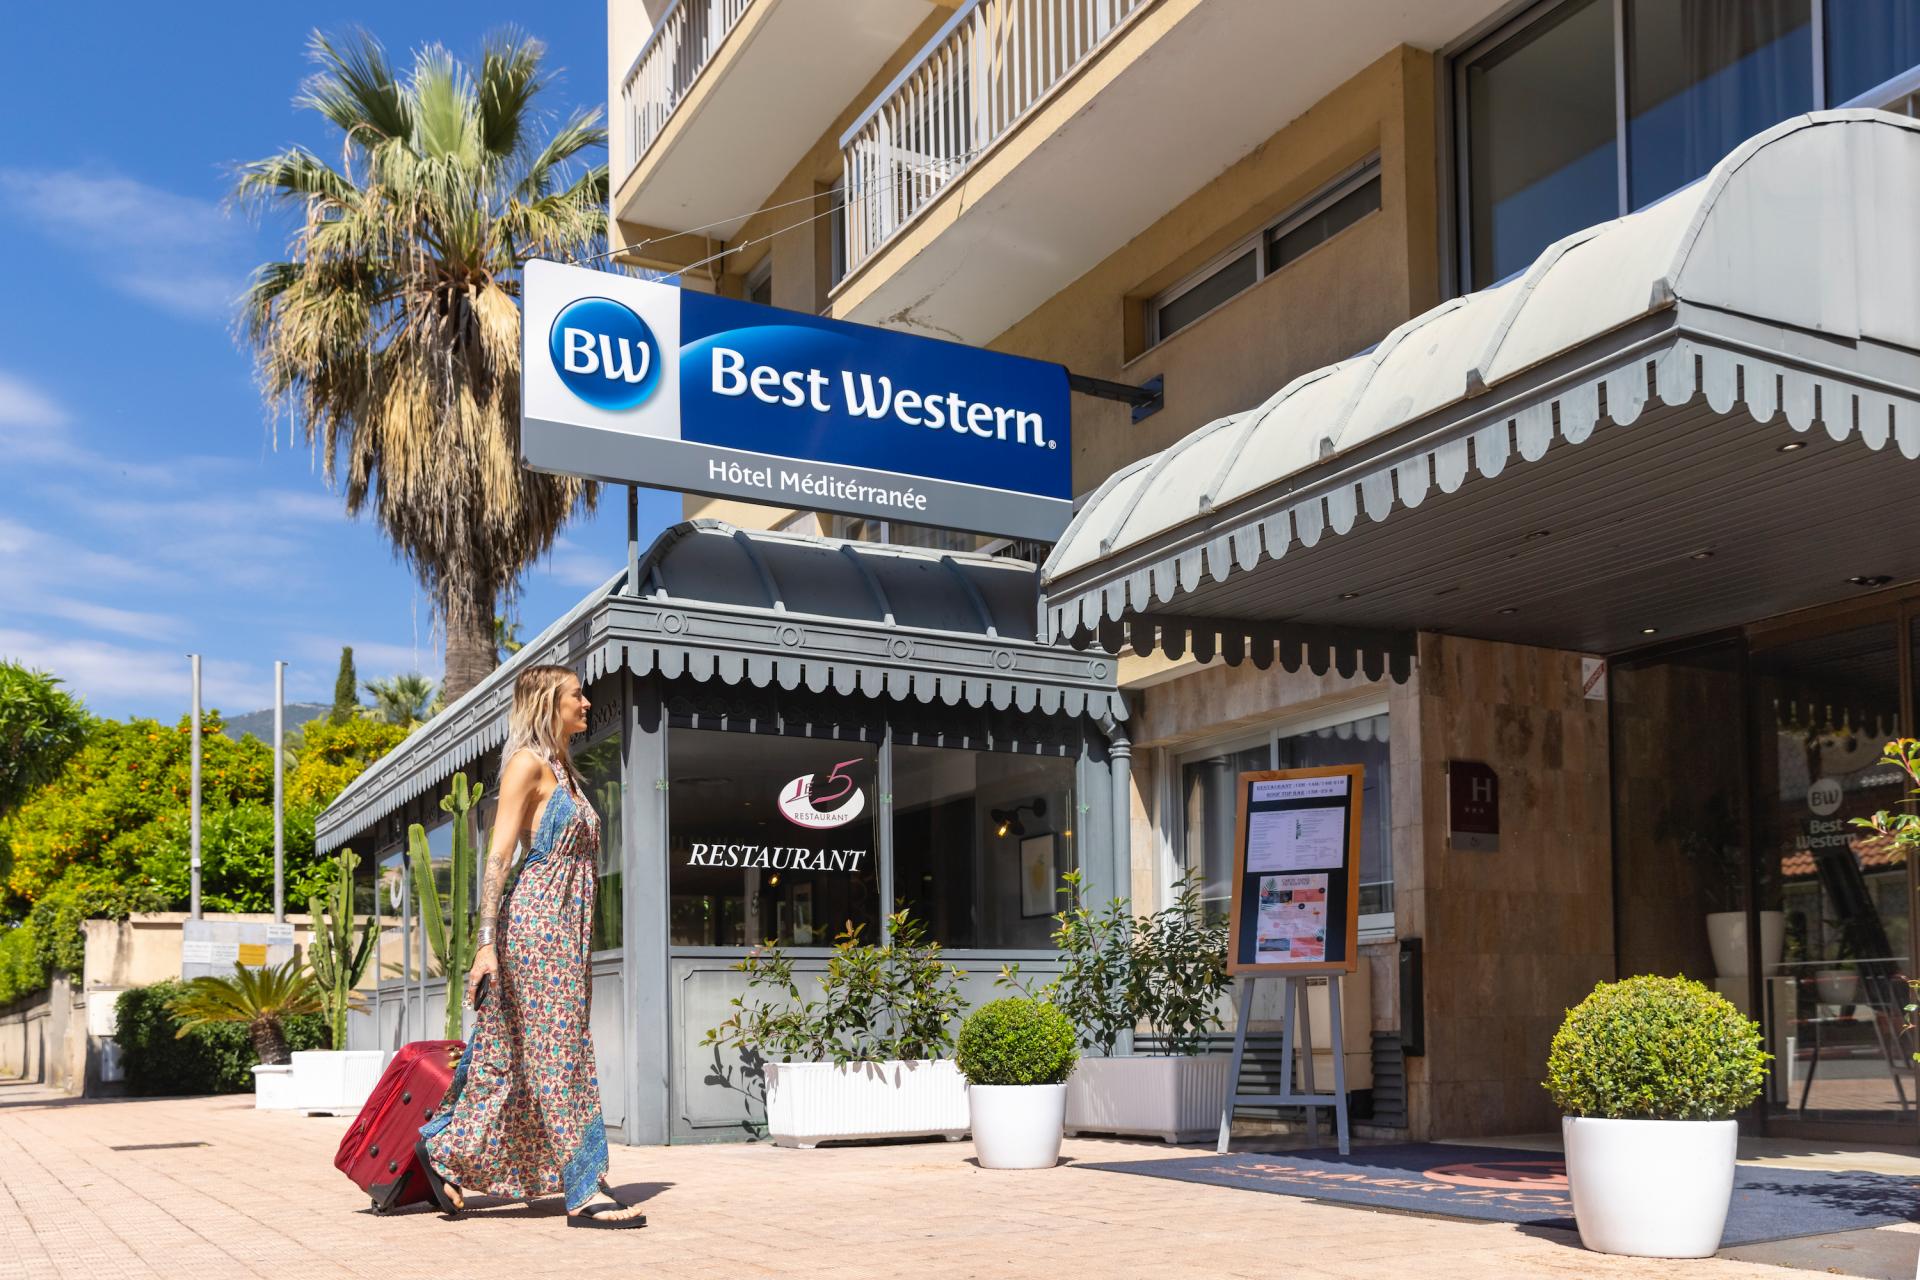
(634, 381)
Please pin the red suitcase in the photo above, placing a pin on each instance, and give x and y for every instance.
(377, 1152)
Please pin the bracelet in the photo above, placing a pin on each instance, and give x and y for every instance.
(484, 937)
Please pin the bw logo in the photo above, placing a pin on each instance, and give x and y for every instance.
(605, 353)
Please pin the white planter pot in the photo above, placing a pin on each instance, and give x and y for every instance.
(1727, 936)
(1837, 986)
(813, 1102)
(1650, 1188)
(1175, 1099)
(1017, 1126)
(333, 1080)
(273, 1089)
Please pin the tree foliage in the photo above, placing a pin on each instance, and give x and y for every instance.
(41, 725)
(332, 755)
(390, 338)
(346, 689)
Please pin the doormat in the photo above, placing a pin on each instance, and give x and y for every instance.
(1500, 1184)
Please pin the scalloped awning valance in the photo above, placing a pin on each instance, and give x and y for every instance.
(1780, 289)
(779, 611)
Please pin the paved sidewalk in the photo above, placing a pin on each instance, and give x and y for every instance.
(108, 1190)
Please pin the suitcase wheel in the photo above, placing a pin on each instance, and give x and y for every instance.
(377, 1206)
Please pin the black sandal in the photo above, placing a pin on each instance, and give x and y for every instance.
(590, 1216)
(435, 1183)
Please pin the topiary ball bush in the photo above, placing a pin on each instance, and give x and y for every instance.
(1655, 1049)
(1017, 1041)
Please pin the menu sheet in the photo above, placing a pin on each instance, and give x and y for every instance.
(1292, 928)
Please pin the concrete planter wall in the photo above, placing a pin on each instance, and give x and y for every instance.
(813, 1102)
(1174, 1099)
(273, 1088)
(1650, 1188)
(333, 1081)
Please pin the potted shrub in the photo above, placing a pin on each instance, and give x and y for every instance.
(1016, 1054)
(1648, 1074)
(868, 1057)
(1166, 973)
(261, 999)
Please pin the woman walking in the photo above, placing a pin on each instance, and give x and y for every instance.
(522, 1117)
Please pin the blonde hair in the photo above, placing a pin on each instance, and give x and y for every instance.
(534, 723)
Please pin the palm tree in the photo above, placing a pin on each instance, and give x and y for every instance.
(258, 997)
(390, 338)
(401, 700)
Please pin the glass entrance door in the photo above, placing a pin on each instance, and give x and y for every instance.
(1834, 902)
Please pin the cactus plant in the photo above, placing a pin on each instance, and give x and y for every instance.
(337, 961)
(449, 932)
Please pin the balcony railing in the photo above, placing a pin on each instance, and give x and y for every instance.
(985, 69)
(669, 63)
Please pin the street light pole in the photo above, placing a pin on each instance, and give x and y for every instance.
(193, 819)
(279, 792)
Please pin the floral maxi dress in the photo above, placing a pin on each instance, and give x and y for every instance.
(522, 1117)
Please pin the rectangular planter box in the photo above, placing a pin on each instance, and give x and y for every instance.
(273, 1088)
(333, 1081)
(1174, 1099)
(813, 1102)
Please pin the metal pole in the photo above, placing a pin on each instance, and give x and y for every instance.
(279, 792)
(193, 813)
(633, 540)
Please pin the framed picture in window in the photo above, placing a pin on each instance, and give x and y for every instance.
(1037, 876)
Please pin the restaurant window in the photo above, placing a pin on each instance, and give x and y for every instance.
(1304, 227)
(980, 842)
(599, 767)
(1209, 803)
(769, 838)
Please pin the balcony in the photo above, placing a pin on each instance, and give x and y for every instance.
(1032, 138)
(727, 96)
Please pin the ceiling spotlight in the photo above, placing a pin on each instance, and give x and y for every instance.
(1349, 595)
(1538, 534)
(1510, 609)
(773, 880)
(1791, 445)
(1870, 579)
(1647, 631)
(1701, 555)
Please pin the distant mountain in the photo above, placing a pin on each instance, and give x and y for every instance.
(260, 723)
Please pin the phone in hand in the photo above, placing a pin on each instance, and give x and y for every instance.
(481, 989)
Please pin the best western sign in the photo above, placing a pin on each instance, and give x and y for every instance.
(644, 383)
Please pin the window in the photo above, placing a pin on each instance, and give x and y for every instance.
(1539, 121)
(901, 534)
(760, 281)
(1209, 803)
(599, 767)
(1327, 214)
(980, 841)
(1582, 110)
(1869, 42)
(1705, 75)
(769, 838)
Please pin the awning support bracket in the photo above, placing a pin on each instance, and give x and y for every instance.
(1147, 399)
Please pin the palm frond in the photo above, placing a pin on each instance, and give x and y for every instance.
(355, 88)
(580, 132)
(249, 995)
(295, 174)
(509, 79)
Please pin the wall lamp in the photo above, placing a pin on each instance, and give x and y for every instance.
(1007, 821)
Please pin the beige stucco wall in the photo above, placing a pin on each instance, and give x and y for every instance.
(1338, 299)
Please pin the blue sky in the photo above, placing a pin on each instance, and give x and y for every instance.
(144, 510)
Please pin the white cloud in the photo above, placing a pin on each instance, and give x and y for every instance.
(190, 254)
(146, 681)
(24, 405)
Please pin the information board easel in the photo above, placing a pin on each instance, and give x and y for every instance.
(1296, 914)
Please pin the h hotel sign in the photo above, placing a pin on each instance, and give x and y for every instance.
(1473, 807)
(641, 382)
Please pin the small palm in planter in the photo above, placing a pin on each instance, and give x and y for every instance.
(1649, 1074)
(260, 998)
(1016, 1054)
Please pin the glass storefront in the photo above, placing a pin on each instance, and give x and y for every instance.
(1739, 766)
(1208, 804)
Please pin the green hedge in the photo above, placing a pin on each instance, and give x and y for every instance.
(1017, 1041)
(212, 1059)
(1652, 1048)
